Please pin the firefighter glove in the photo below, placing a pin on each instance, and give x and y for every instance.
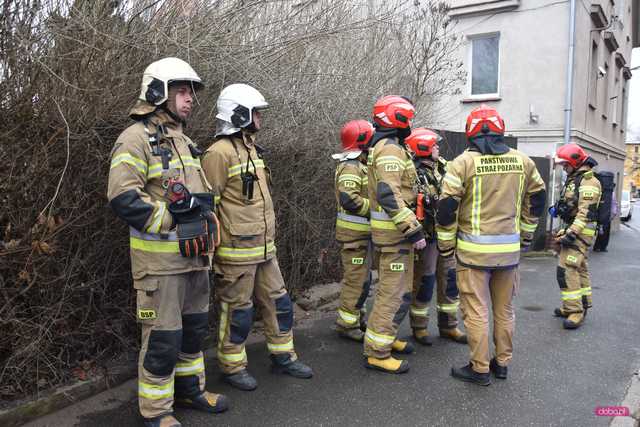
(568, 239)
(196, 224)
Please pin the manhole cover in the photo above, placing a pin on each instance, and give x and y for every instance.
(533, 308)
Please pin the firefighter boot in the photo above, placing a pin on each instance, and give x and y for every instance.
(242, 380)
(498, 371)
(402, 347)
(206, 402)
(466, 373)
(454, 334)
(282, 364)
(363, 322)
(166, 420)
(421, 335)
(389, 365)
(559, 313)
(574, 321)
(351, 333)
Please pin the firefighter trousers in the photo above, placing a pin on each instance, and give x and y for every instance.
(237, 287)
(174, 313)
(432, 269)
(573, 278)
(356, 264)
(480, 288)
(392, 299)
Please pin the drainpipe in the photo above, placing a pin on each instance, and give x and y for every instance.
(568, 102)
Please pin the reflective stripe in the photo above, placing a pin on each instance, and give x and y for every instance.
(158, 216)
(352, 226)
(382, 216)
(166, 246)
(445, 235)
(448, 308)
(488, 248)
(584, 188)
(237, 169)
(185, 369)
(579, 222)
(288, 346)
(155, 392)
(476, 204)
(153, 236)
(222, 329)
(348, 317)
(528, 227)
(588, 232)
(382, 221)
(365, 207)
(232, 357)
(453, 180)
(127, 158)
(390, 160)
(402, 215)
(229, 252)
(155, 169)
(571, 295)
(350, 177)
(587, 291)
(490, 239)
(379, 339)
(216, 199)
(353, 218)
(420, 312)
(519, 201)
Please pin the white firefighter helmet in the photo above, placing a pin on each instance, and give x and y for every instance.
(236, 105)
(160, 74)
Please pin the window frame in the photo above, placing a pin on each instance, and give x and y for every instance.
(469, 85)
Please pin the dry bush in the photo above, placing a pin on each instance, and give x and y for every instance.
(69, 71)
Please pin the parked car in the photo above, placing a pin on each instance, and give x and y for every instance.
(625, 206)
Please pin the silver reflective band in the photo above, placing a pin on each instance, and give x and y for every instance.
(153, 236)
(353, 218)
(380, 216)
(490, 238)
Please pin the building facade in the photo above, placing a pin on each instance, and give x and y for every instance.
(515, 53)
(632, 169)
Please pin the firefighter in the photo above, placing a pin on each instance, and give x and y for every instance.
(430, 267)
(352, 227)
(245, 264)
(156, 187)
(578, 208)
(395, 231)
(492, 197)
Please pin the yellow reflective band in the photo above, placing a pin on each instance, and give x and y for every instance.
(350, 177)
(571, 295)
(127, 158)
(157, 246)
(288, 346)
(222, 329)
(528, 227)
(225, 251)
(402, 215)
(445, 235)
(476, 205)
(587, 291)
(365, 207)
(519, 201)
(185, 369)
(158, 216)
(348, 317)
(419, 312)
(579, 222)
(453, 180)
(584, 188)
(232, 357)
(391, 165)
(378, 339)
(448, 308)
(155, 392)
(496, 248)
(370, 159)
(352, 225)
(217, 199)
(237, 169)
(588, 232)
(383, 225)
(155, 169)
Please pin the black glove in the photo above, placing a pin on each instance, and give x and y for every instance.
(568, 239)
(196, 226)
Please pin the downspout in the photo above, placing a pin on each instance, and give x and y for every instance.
(568, 102)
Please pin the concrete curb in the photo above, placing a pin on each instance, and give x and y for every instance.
(631, 401)
(23, 411)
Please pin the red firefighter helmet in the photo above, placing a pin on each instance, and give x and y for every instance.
(393, 111)
(355, 135)
(572, 154)
(484, 120)
(422, 140)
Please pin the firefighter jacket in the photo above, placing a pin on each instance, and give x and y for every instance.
(352, 222)
(488, 202)
(392, 183)
(136, 192)
(430, 176)
(235, 168)
(581, 204)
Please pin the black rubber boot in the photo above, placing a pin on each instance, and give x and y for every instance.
(466, 373)
(282, 364)
(242, 380)
(166, 420)
(559, 313)
(206, 402)
(498, 371)
(421, 336)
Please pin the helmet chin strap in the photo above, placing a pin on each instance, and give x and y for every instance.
(174, 116)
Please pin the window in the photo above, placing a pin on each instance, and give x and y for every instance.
(615, 100)
(593, 76)
(623, 107)
(485, 65)
(605, 99)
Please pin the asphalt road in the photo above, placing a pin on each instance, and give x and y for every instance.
(557, 377)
